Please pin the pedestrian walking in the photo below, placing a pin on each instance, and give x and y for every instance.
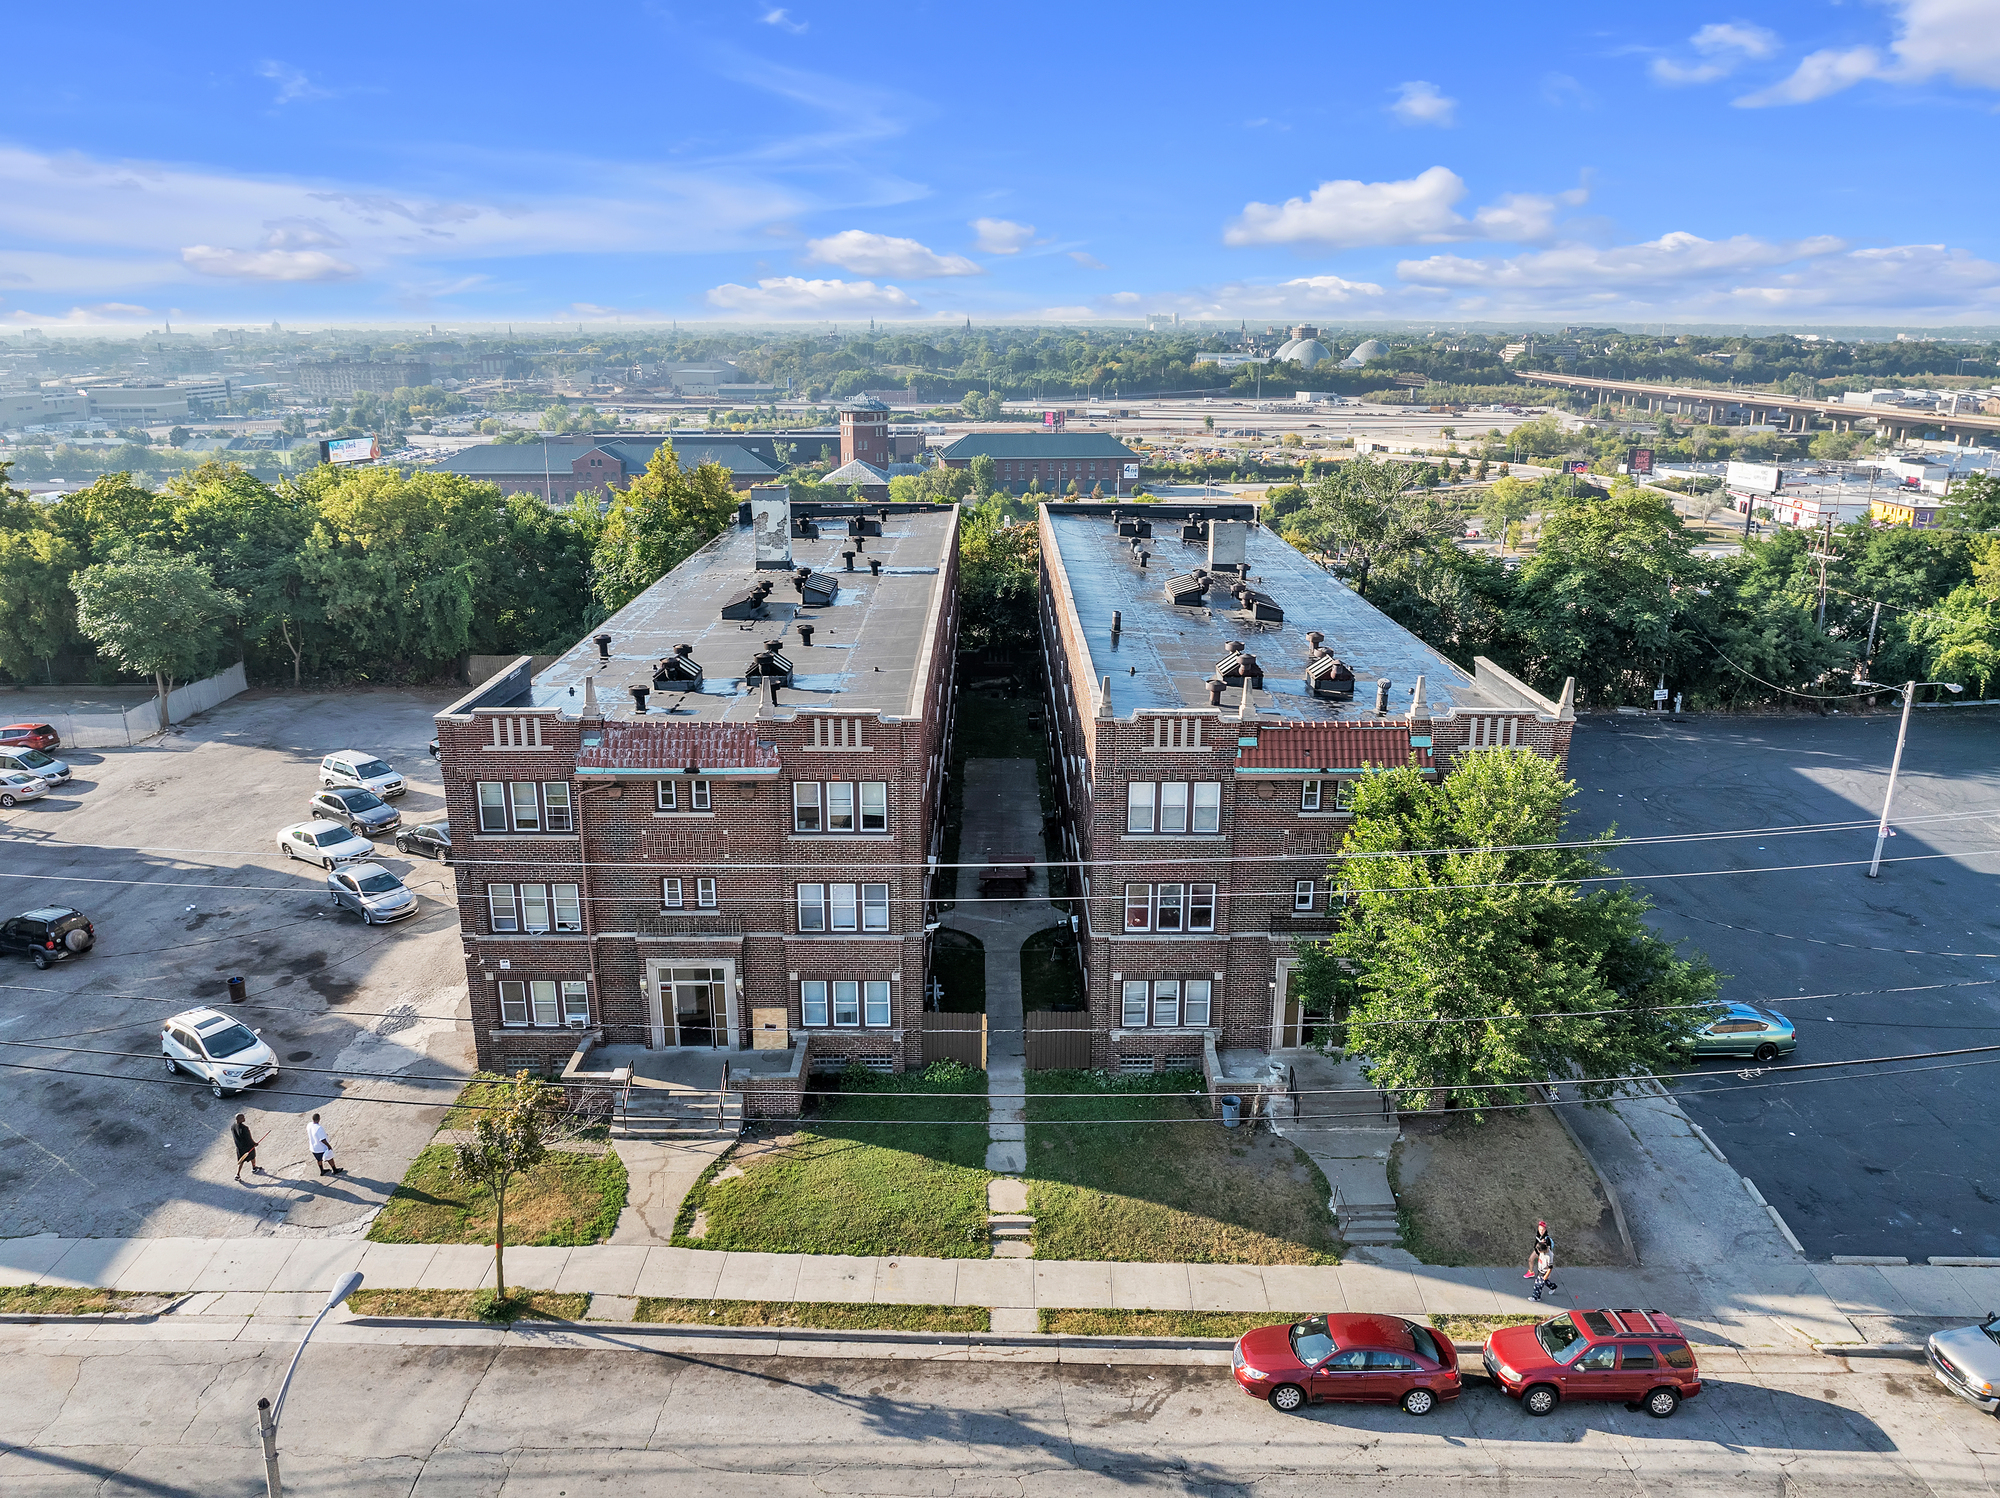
(321, 1147)
(246, 1147)
(1542, 1260)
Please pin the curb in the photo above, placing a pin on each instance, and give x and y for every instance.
(812, 1334)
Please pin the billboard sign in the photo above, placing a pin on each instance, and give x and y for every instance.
(1054, 419)
(1576, 465)
(1132, 471)
(350, 450)
(1753, 478)
(1640, 460)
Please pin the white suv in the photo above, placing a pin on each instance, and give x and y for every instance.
(352, 767)
(227, 1055)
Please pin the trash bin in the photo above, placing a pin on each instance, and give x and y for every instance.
(1232, 1111)
(237, 992)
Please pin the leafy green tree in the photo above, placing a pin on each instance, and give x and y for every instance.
(1505, 504)
(1474, 957)
(983, 469)
(158, 616)
(510, 1137)
(1975, 505)
(1369, 513)
(999, 561)
(666, 515)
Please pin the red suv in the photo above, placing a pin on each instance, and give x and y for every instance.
(33, 735)
(1372, 1359)
(1640, 1357)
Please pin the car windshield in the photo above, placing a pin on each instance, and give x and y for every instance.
(378, 883)
(1992, 1330)
(34, 759)
(1559, 1338)
(332, 836)
(368, 769)
(229, 1040)
(359, 800)
(1311, 1342)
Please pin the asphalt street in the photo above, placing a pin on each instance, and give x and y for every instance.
(170, 847)
(1895, 1159)
(425, 1421)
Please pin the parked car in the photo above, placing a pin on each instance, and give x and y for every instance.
(49, 934)
(1743, 1031)
(17, 786)
(34, 762)
(34, 735)
(432, 839)
(358, 810)
(327, 844)
(1966, 1360)
(228, 1055)
(352, 767)
(1348, 1356)
(371, 892)
(1639, 1357)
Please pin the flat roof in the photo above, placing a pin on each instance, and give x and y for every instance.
(1175, 648)
(868, 647)
(1045, 445)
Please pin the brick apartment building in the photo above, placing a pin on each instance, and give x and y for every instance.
(1206, 741)
(719, 811)
(1055, 458)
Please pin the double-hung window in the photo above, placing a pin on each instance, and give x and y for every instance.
(1167, 1001)
(1135, 994)
(842, 911)
(840, 806)
(1170, 807)
(576, 1002)
(537, 904)
(534, 907)
(536, 1001)
(875, 1002)
(812, 1003)
(1170, 907)
(1174, 806)
(1303, 891)
(666, 795)
(527, 806)
(1138, 907)
(846, 1002)
(1207, 806)
(513, 1003)
(1309, 795)
(874, 907)
(500, 906)
(698, 797)
(670, 894)
(569, 908)
(1139, 796)
(874, 806)
(555, 800)
(812, 907)
(805, 806)
(843, 907)
(1196, 1014)
(492, 806)
(704, 893)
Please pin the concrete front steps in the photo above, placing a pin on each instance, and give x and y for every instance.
(1367, 1225)
(665, 1112)
(1010, 1228)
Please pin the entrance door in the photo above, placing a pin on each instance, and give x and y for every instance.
(1287, 1020)
(694, 1003)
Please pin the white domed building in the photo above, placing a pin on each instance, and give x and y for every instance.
(1303, 347)
(1365, 353)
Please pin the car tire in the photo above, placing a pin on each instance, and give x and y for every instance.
(6, 800)
(444, 855)
(215, 1087)
(77, 939)
(173, 1066)
(42, 961)
(1419, 1402)
(367, 919)
(327, 864)
(1766, 1052)
(402, 846)
(1288, 1398)
(1662, 1403)
(1541, 1399)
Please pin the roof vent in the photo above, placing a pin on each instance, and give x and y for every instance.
(1238, 667)
(815, 588)
(768, 664)
(1136, 527)
(603, 646)
(680, 667)
(1194, 528)
(805, 527)
(1256, 605)
(806, 635)
(639, 698)
(749, 604)
(1189, 587)
(1327, 676)
(864, 525)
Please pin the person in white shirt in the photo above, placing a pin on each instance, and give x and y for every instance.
(321, 1147)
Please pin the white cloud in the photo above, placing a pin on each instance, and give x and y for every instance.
(1000, 236)
(1420, 103)
(1954, 39)
(794, 297)
(267, 265)
(100, 312)
(1820, 74)
(1670, 259)
(882, 255)
(293, 85)
(1087, 260)
(1725, 46)
(301, 234)
(1347, 214)
(782, 19)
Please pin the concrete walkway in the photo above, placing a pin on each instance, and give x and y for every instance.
(1744, 1305)
(1342, 1129)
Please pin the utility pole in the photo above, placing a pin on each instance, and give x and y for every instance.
(1896, 764)
(1823, 556)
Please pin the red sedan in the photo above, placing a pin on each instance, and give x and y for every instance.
(1369, 1359)
(30, 735)
(1640, 1357)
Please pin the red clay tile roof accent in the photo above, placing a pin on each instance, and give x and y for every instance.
(673, 746)
(1330, 746)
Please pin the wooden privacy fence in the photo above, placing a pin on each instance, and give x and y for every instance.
(955, 1037)
(1058, 1040)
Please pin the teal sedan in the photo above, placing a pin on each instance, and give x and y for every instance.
(1743, 1031)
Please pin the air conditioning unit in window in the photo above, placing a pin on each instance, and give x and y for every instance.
(576, 1024)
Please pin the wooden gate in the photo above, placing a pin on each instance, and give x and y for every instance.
(955, 1037)
(1058, 1039)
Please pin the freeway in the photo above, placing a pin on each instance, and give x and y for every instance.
(1889, 418)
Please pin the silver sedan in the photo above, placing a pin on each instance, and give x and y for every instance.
(372, 892)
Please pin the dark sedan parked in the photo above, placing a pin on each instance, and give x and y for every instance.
(432, 839)
(357, 810)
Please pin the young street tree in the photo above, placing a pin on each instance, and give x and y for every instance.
(161, 616)
(521, 1119)
(1478, 960)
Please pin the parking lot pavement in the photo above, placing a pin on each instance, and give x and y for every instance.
(170, 847)
(1860, 1162)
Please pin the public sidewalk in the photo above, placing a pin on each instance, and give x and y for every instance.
(1753, 1305)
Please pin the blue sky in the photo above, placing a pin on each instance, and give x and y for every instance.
(1802, 163)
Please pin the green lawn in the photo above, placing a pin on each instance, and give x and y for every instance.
(470, 1305)
(568, 1199)
(830, 1315)
(66, 1300)
(1161, 1323)
(1174, 1188)
(1050, 977)
(912, 1181)
(958, 962)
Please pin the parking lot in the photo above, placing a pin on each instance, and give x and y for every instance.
(170, 848)
(1893, 1159)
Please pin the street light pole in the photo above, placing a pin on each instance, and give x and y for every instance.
(267, 1414)
(1896, 764)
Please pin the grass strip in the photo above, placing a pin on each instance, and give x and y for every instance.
(1475, 1328)
(1160, 1323)
(827, 1315)
(566, 1201)
(62, 1300)
(470, 1305)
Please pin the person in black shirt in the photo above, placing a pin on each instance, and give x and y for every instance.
(1542, 1259)
(246, 1147)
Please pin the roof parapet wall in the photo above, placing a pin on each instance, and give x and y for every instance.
(1504, 686)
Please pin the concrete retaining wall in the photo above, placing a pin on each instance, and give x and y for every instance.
(141, 721)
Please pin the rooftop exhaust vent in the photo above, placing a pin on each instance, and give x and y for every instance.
(815, 588)
(1194, 528)
(749, 604)
(679, 668)
(864, 525)
(1254, 604)
(1238, 667)
(1136, 527)
(1189, 587)
(805, 527)
(768, 665)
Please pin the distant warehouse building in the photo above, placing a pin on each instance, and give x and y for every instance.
(560, 468)
(1056, 459)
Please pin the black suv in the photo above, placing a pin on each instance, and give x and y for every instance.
(48, 935)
